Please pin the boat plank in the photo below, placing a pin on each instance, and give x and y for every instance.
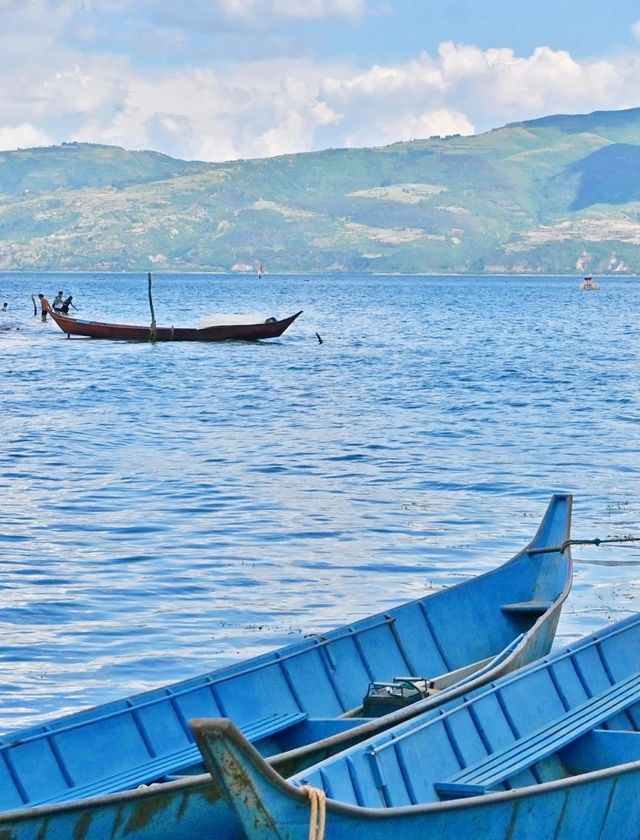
(161, 766)
(567, 776)
(324, 678)
(524, 752)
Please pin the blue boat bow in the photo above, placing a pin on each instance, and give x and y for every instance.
(131, 768)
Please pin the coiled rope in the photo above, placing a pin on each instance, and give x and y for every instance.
(318, 801)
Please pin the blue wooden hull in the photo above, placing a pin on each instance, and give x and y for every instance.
(550, 751)
(79, 775)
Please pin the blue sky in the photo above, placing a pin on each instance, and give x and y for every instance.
(223, 79)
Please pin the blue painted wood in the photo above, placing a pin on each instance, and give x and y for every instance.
(532, 748)
(180, 760)
(145, 738)
(599, 749)
(538, 607)
(559, 739)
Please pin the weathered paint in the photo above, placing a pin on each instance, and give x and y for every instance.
(429, 632)
(561, 786)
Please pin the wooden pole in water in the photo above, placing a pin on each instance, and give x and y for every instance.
(153, 333)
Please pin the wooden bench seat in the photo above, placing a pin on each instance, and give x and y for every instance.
(160, 767)
(522, 753)
(539, 607)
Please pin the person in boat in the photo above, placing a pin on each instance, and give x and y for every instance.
(44, 307)
(64, 309)
(58, 301)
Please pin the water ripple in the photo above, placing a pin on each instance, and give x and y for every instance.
(170, 508)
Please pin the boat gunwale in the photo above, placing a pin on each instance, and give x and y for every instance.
(485, 676)
(225, 728)
(230, 731)
(313, 642)
(333, 805)
(53, 727)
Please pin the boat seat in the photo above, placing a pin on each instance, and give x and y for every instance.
(527, 607)
(522, 753)
(163, 766)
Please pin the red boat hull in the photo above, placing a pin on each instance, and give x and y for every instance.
(124, 332)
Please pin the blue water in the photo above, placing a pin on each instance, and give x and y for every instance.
(170, 508)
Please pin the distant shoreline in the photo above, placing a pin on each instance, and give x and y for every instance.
(265, 277)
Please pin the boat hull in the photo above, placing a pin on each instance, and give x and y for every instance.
(550, 751)
(124, 332)
(595, 806)
(102, 750)
(174, 811)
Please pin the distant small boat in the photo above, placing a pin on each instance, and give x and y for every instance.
(93, 774)
(271, 328)
(552, 750)
(588, 285)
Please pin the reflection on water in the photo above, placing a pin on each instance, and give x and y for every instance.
(170, 508)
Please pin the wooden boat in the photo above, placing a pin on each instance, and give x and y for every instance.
(78, 776)
(271, 328)
(550, 751)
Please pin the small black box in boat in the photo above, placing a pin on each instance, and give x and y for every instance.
(382, 698)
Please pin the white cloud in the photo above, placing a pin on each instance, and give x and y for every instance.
(501, 83)
(36, 19)
(204, 115)
(635, 30)
(76, 90)
(440, 122)
(23, 136)
(493, 79)
(419, 75)
(464, 86)
(60, 83)
(294, 9)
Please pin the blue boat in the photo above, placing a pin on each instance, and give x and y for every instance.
(550, 751)
(131, 768)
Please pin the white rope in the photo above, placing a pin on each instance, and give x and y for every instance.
(318, 801)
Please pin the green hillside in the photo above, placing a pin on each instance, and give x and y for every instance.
(555, 195)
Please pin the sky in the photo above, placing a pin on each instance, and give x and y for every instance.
(219, 80)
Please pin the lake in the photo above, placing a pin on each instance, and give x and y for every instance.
(173, 507)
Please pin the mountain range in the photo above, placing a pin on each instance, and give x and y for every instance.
(557, 195)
